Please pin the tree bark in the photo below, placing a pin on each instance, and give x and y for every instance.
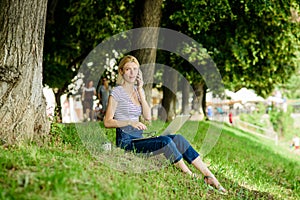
(203, 103)
(22, 104)
(185, 97)
(170, 84)
(199, 96)
(148, 14)
(58, 107)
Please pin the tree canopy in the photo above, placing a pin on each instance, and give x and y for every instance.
(253, 44)
(73, 29)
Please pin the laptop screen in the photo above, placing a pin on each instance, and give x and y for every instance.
(176, 124)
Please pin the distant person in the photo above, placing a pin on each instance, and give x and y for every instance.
(230, 116)
(98, 114)
(66, 110)
(88, 101)
(296, 143)
(126, 104)
(78, 108)
(220, 111)
(103, 94)
(209, 112)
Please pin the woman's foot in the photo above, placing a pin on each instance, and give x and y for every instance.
(195, 176)
(209, 180)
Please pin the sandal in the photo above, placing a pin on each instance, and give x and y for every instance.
(218, 187)
(194, 176)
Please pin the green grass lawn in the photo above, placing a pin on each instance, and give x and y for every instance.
(72, 165)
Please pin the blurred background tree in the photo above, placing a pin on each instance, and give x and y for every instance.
(253, 44)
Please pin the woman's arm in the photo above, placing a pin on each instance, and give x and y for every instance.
(146, 111)
(99, 93)
(110, 122)
(82, 95)
(95, 92)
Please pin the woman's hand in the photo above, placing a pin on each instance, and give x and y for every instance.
(139, 79)
(138, 125)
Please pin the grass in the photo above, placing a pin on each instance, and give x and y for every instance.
(72, 165)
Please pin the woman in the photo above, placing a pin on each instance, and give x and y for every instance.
(88, 93)
(126, 104)
(103, 94)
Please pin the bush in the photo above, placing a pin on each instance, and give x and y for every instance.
(282, 121)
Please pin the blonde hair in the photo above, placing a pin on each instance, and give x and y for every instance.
(125, 59)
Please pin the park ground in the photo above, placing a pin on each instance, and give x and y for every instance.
(65, 167)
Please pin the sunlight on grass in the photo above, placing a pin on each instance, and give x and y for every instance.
(75, 166)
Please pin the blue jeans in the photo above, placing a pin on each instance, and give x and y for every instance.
(174, 147)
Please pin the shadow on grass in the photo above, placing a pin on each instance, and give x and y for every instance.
(241, 192)
(93, 135)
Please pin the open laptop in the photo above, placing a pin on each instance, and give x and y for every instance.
(176, 124)
(173, 127)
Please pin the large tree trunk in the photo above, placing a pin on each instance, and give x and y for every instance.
(22, 105)
(148, 14)
(170, 78)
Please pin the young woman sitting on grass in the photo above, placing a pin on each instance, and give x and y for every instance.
(126, 104)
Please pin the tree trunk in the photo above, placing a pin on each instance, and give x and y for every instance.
(198, 97)
(185, 97)
(203, 103)
(170, 79)
(148, 14)
(58, 107)
(22, 104)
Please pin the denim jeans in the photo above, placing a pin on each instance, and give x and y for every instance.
(174, 146)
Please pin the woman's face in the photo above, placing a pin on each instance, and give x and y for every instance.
(91, 83)
(104, 81)
(130, 72)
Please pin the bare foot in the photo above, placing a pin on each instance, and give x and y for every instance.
(209, 180)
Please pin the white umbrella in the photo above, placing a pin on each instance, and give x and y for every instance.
(246, 95)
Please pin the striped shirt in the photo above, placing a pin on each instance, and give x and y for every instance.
(126, 109)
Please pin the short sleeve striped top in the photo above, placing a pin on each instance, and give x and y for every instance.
(126, 109)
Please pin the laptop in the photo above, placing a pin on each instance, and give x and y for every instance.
(176, 124)
(173, 127)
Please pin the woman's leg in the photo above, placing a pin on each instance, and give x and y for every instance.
(181, 165)
(208, 175)
(162, 144)
(184, 147)
(192, 157)
(157, 145)
(176, 147)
